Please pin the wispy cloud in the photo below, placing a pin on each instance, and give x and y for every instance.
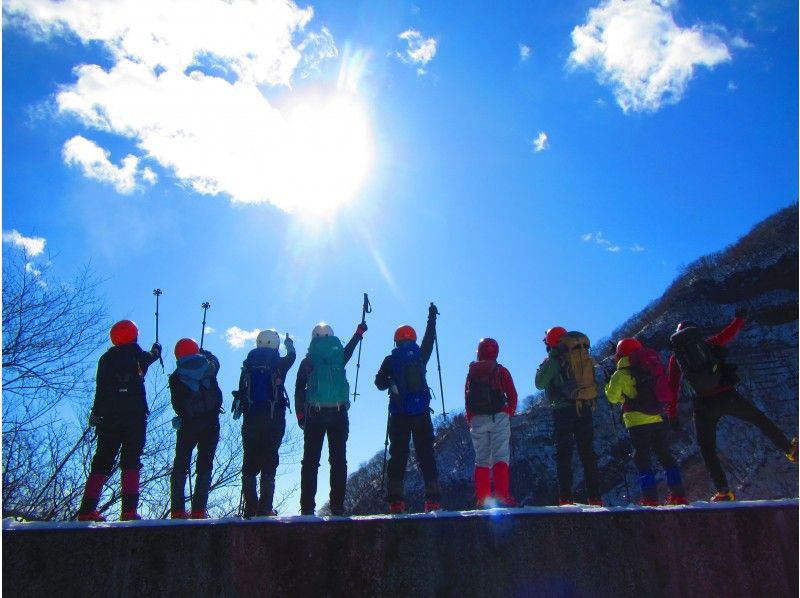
(237, 337)
(199, 109)
(599, 239)
(524, 52)
(636, 248)
(419, 50)
(732, 86)
(95, 163)
(541, 142)
(32, 246)
(636, 47)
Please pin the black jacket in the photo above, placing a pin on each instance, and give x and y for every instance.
(120, 380)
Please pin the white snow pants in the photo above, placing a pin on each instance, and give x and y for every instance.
(490, 437)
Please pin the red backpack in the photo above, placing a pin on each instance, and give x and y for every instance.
(652, 384)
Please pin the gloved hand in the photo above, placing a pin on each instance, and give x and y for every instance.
(176, 422)
(289, 344)
(301, 420)
(741, 312)
(432, 311)
(94, 419)
(361, 329)
(674, 422)
(156, 350)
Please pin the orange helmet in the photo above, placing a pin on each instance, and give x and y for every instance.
(186, 346)
(553, 335)
(625, 347)
(124, 332)
(405, 333)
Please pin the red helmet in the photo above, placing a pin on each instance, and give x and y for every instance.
(405, 333)
(553, 335)
(685, 324)
(186, 346)
(124, 332)
(625, 347)
(488, 349)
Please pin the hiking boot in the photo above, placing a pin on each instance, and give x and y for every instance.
(199, 514)
(509, 502)
(726, 496)
(397, 507)
(565, 501)
(647, 502)
(337, 512)
(307, 512)
(792, 454)
(94, 516)
(130, 516)
(595, 502)
(179, 515)
(676, 500)
(432, 505)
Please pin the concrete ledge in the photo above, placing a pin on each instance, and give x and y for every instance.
(741, 549)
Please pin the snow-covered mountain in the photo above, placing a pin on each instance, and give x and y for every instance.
(759, 273)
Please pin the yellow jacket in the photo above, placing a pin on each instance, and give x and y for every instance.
(622, 386)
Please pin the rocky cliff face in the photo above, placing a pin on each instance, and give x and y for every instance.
(758, 273)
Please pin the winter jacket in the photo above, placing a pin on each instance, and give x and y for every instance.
(120, 381)
(307, 366)
(193, 374)
(548, 378)
(622, 387)
(725, 336)
(384, 375)
(506, 385)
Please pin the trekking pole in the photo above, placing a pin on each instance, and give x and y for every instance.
(366, 308)
(205, 307)
(385, 448)
(157, 293)
(439, 366)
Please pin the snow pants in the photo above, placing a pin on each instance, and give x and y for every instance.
(491, 435)
(261, 437)
(319, 423)
(709, 410)
(649, 440)
(402, 429)
(203, 433)
(570, 429)
(123, 434)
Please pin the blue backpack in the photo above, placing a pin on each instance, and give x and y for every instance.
(262, 388)
(408, 374)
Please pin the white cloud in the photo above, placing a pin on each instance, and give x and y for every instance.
(540, 143)
(524, 52)
(419, 51)
(32, 246)
(740, 43)
(94, 161)
(600, 240)
(636, 47)
(187, 82)
(732, 86)
(236, 337)
(636, 248)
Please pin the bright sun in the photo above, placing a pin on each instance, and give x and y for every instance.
(329, 148)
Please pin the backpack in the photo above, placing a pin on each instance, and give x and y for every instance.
(652, 384)
(327, 383)
(702, 364)
(259, 388)
(484, 393)
(577, 367)
(408, 375)
(204, 396)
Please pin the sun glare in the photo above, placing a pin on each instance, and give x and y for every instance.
(329, 150)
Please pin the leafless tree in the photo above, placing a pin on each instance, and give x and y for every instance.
(51, 330)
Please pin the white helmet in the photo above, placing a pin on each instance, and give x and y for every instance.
(322, 329)
(269, 339)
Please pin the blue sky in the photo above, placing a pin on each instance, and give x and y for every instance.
(523, 165)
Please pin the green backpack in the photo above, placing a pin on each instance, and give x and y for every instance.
(327, 383)
(577, 367)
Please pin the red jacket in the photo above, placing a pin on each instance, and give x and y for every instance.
(507, 386)
(725, 336)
